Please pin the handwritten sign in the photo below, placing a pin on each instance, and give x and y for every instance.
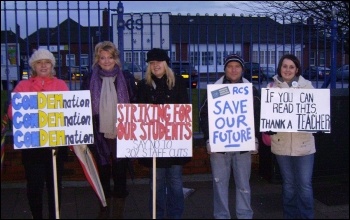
(295, 110)
(48, 119)
(231, 117)
(149, 130)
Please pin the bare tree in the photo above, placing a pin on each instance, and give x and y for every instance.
(319, 11)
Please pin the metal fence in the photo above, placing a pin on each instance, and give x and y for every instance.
(71, 29)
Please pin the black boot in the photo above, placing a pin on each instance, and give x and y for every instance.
(104, 213)
(105, 178)
(117, 208)
(119, 169)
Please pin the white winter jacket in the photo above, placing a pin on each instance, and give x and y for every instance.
(292, 143)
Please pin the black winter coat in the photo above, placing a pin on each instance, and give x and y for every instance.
(162, 95)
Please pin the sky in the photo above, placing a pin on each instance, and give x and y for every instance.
(183, 7)
(175, 7)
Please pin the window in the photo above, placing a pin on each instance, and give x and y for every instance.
(58, 61)
(272, 55)
(262, 57)
(207, 58)
(173, 56)
(143, 58)
(70, 60)
(218, 58)
(226, 53)
(136, 57)
(255, 57)
(312, 58)
(298, 54)
(322, 59)
(194, 58)
(84, 60)
(127, 57)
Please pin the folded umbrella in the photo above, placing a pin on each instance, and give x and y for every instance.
(89, 166)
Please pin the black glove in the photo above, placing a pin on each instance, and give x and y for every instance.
(270, 132)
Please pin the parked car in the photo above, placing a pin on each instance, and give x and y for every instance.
(134, 69)
(316, 72)
(186, 70)
(343, 73)
(268, 72)
(77, 72)
(253, 72)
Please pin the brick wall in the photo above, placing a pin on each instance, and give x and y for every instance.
(13, 169)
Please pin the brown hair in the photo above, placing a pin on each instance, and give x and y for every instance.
(294, 59)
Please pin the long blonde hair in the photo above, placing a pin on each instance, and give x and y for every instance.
(109, 47)
(168, 72)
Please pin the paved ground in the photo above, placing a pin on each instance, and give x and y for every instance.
(80, 202)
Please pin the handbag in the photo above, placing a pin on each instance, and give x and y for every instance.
(266, 139)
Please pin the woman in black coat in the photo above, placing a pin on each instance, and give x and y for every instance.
(161, 86)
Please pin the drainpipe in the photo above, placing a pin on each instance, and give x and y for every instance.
(334, 39)
(121, 27)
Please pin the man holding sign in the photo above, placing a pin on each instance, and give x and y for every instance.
(294, 150)
(237, 140)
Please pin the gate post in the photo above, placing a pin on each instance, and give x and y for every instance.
(120, 26)
(334, 39)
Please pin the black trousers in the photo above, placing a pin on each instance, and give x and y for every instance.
(118, 171)
(38, 175)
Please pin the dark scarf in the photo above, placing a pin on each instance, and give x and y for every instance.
(160, 89)
(227, 81)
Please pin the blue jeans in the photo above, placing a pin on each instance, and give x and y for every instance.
(221, 165)
(298, 199)
(170, 198)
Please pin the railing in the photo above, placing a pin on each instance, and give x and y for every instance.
(70, 30)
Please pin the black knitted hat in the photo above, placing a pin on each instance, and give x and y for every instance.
(233, 57)
(157, 54)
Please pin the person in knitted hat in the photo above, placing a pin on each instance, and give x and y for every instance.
(239, 161)
(39, 55)
(161, 86)
(38, 161)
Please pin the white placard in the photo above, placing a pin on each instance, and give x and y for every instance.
(149, 130)
(231, 117)
(49, 119)
(295, 110)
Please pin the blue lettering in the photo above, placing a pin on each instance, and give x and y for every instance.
(26, 102)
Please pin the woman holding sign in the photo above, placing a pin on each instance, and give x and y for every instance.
(161, 86)
(294, 150)
(37, 162)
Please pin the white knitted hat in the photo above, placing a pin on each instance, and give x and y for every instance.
(42, 54)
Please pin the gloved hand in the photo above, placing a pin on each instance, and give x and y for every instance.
(208, 147)
(270, 132)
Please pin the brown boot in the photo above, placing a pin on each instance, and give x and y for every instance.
(117, 208)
